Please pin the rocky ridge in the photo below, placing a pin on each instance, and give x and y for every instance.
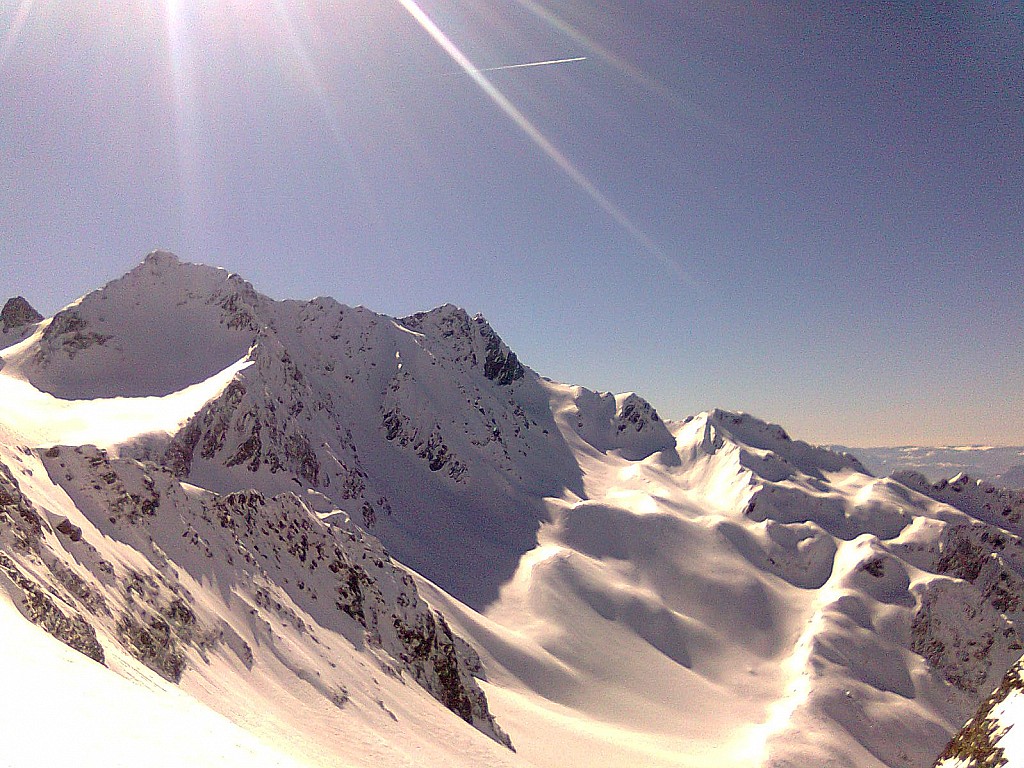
(296, 575)
(982, 742)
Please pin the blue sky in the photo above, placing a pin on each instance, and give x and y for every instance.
(813, 212)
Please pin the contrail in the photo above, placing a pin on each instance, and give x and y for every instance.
(532, 64)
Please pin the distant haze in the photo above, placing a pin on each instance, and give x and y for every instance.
(1002, 465)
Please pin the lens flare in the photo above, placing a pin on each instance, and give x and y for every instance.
(629, 70)
(186, 116)
(542, 142)
(11, 37)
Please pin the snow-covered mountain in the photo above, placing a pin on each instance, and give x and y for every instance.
(369, 540)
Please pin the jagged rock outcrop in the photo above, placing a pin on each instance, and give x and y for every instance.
(626, 424)
(48, 594)
(17, 313)
(980, 498)
(271, 551)
(467, 340)
(982, 742)
(18, 319)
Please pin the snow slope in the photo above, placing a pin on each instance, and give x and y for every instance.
(126, 722)
(304, 635)
(746, 599)
(625, 590)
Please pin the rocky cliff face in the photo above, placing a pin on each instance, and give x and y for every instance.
(47, 592)
(17, 313)
(272, 553)
(983, 742)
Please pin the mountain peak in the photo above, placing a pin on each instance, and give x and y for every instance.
(17, 313)
(456, 335)
(713, 569)
(161, 327)
(161, 257)
(764, 440)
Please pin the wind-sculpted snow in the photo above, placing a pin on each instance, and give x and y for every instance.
(639, 591)
(849, 618)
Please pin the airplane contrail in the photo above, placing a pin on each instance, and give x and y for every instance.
(532, 64)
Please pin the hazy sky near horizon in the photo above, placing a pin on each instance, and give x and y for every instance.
(813, 212)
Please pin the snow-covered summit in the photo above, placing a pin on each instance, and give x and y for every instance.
(777, 445)
(163, 326)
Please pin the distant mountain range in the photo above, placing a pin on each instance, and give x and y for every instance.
(297, 533)
(1002, 465)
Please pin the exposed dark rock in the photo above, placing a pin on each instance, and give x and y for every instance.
(154, 645)
(70, 530)
(976, 743)
(17, 313)
(501, 365)
(636, 413)
(18, 512)
(875, 567)
(87, 596)
(959, 639)
(69, 627)
(71, 331)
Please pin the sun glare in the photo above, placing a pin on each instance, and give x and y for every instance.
(181, 19)
(12, 34)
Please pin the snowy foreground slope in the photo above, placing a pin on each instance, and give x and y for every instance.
(307, 534)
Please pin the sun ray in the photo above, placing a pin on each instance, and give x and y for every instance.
(309, 71)
(20, 17)
(327, 103)
(186, 119)
(541, 141)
